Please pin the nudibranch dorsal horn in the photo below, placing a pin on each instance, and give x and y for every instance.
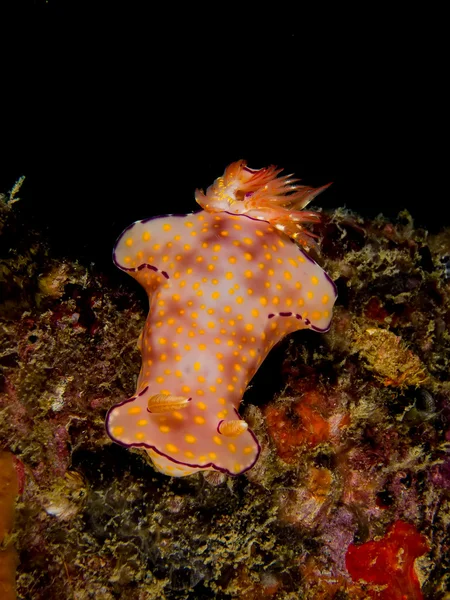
(160, 403)
(225, 285)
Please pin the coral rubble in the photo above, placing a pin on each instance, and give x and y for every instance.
(354, 427)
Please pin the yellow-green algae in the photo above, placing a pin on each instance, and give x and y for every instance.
(96, 521)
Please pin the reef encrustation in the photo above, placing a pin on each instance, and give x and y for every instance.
(353, 426)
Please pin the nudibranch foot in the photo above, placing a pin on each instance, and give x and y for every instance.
(225, 285)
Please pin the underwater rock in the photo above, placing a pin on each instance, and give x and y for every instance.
(353, 427)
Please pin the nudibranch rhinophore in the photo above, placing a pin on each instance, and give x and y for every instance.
(225, 285)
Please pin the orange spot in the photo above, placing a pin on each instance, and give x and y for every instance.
(308, 429)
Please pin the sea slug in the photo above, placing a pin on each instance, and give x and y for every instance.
(225, 285)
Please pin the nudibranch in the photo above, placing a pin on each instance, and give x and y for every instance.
(225, 285)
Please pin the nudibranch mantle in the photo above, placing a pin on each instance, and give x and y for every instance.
(223, 290)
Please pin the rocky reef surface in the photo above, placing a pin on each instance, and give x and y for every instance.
(350, 498)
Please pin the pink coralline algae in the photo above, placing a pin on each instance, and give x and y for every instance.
(225, 285)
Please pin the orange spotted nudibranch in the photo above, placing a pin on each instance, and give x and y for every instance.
(225, 285)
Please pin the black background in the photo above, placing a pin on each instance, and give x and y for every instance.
(115, 113)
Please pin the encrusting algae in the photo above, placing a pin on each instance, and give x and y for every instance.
(350, 495)
(9, 490)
